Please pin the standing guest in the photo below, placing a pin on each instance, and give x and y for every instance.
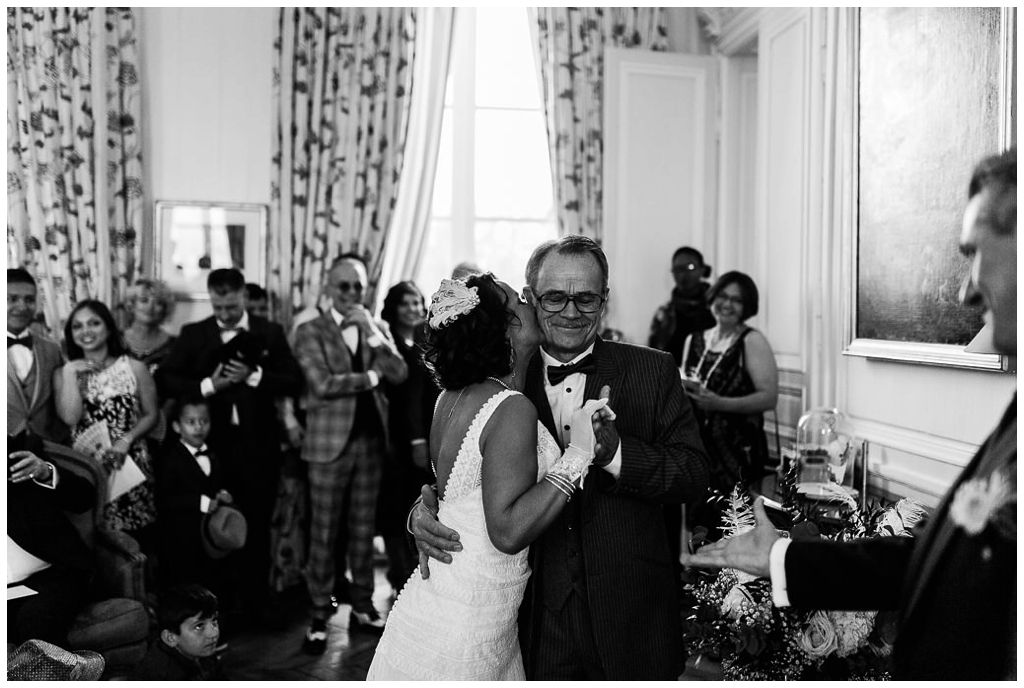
(345, 355)
(687, 310)
(240, 379)
(257, 300)
(187, 649)
(148, 306)
(102, 384)
(731, 378)
(190, 482)
(955, 583)
(603, 600)
(411, 407)
(44, 550)
(31, 362)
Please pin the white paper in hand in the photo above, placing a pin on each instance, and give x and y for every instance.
(127, 477)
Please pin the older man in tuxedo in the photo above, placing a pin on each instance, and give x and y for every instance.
(603, 599)
(955, 583)
(240, 364)
(345, 355)
(31, 362)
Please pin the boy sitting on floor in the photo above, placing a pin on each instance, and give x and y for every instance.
(187, 648)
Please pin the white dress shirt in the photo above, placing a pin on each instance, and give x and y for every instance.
(204, 466)
(21, 357)
(567, 397)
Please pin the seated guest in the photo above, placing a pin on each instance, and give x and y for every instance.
(101, 385)
(241, 381)
(257, 300)
(190, 483)
(410, 410)
(44, 550)
(31, 361)
(187, 648)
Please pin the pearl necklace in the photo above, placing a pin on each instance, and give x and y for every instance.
(499, 382)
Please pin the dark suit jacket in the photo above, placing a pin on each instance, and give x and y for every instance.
(179, 484)
(34, 407)
(629, 578)
(195, 356)
(956, 593)
(164, 663)
(37, 522)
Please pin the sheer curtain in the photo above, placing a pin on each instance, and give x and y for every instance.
(341, 88)
(403, 249)
(570, 44)
(74, 191)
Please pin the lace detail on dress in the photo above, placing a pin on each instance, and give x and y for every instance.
(465, 475)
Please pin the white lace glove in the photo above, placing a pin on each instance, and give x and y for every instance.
(571, 469)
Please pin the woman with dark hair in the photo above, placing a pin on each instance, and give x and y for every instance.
(410, 408)
(101, 386)
(730, 375)
(501, 479)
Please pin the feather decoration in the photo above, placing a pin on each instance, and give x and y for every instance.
(738, 517)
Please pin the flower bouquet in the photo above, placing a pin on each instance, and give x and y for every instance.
(734, 620)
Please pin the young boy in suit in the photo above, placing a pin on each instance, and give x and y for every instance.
(190, 483)
(187, 648)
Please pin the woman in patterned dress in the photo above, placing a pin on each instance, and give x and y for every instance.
(102, 383)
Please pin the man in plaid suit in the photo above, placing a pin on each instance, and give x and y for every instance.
(344, 354)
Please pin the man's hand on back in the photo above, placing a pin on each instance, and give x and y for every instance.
(433, 540)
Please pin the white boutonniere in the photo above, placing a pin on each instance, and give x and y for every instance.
(983, 501)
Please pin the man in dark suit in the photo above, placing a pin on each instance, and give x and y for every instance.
(602, 601)
(44, 550)
(345, 355)
(244, 428)
(955, 583)
(31, 360)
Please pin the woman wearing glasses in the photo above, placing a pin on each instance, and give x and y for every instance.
(730, 375)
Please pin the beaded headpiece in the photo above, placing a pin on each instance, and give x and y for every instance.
(452, 299)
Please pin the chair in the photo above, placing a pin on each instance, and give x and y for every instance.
(116, 622)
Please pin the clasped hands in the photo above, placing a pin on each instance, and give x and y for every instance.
(24, 465)
(223, 497)
(113, 456)
(230, 373)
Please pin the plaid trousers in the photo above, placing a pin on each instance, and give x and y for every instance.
(359, 467)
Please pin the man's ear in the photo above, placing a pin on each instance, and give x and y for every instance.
(176, 426)
(169, 637)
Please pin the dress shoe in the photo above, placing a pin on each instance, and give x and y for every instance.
(315, 641)
(370, 622)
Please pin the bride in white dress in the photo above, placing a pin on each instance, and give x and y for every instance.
(501, 479)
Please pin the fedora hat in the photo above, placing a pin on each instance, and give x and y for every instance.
(223, 531)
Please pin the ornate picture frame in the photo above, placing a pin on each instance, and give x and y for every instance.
(193, 238)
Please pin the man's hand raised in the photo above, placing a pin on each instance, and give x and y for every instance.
(747, 552)
(433, 540)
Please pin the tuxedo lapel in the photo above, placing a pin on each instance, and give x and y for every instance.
(536, 393)
(937, 538)
(334, 342)
(37, 369)
(607, 373)
(13, 383)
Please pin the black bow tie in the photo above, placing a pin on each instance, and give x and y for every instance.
(558, 373)
(202, 452)
(23, 341)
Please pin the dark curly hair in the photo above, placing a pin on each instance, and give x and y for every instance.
(389, 313)
(475, 345)
(115, 346)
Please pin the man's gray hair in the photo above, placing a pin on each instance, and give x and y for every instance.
(573, 244)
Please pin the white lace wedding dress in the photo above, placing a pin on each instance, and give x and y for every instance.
(461, 622)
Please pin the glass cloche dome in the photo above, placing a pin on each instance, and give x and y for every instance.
(825, 448)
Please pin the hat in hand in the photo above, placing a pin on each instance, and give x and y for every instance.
(223, 531)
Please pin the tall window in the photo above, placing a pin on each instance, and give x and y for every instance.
(493, 201)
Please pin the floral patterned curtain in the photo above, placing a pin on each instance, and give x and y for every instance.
(342, 81)
(570, 50)
(74, 191)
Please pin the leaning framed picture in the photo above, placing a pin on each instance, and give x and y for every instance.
(193, 238)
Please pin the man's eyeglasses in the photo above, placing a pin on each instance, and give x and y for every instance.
(556, 301)
(346, 287)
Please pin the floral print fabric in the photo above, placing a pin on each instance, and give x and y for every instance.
(74, 190)
(570, 49)
(111, 395)
(341, 86)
